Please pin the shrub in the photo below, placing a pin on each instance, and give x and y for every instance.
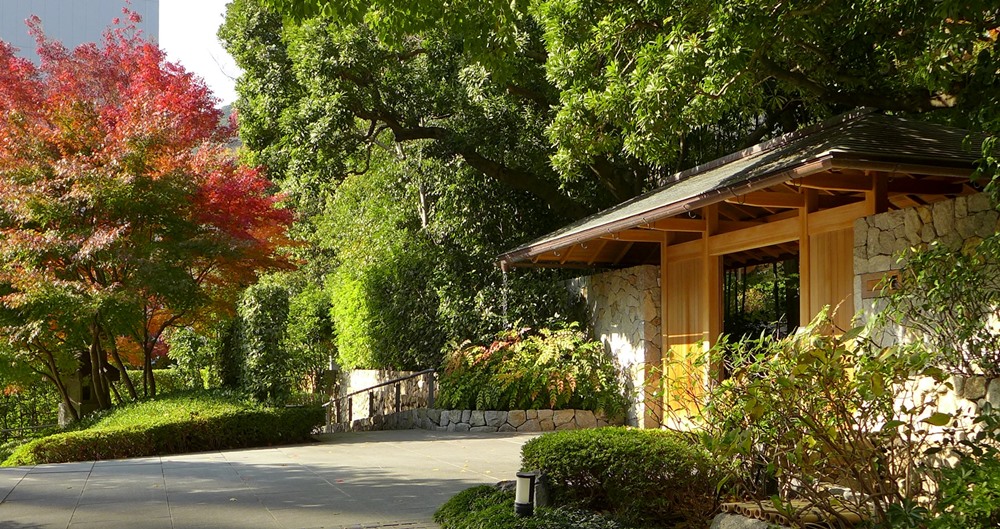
(263, 316)
(194, 357)
(487, 506)
(179, 423)
(952, 301)
(816, 409)
(640, 476)
(553, 368)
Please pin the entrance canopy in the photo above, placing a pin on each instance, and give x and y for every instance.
(750, 207)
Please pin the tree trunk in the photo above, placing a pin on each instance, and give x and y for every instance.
(147, 368)
(124, 374)
(54, 377)
(98, 382)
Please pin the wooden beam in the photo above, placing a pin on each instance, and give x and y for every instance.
(677, 224)
(747, 239)
(733, 225)
(621, 254)
(805, 268)
(836, 218)
(685, 250)
(766, 199)
(877, 198)
(601, 243)
(634, 235)
(713, 277)
(566, 254)
(912, 186)
(835, 182)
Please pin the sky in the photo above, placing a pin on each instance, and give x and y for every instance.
(187, 34)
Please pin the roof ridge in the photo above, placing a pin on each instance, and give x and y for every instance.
(770, 145)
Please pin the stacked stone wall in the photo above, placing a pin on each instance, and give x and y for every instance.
(624, 311)
(881, 243)
(482, 421)
(880, 240)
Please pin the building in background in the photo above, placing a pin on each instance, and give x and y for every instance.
(71, 22)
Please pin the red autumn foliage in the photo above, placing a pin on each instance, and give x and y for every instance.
(116, 186)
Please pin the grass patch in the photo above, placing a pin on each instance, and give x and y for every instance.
(176, 423)
(487, 507)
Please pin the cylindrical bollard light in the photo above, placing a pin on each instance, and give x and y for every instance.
(524, 494)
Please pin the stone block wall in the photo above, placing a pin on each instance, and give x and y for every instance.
(624, 310)
(482, 421)
(414, 393)
(880, 240)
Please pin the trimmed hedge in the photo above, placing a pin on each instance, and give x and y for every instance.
(487, 507)
(178, 423)
(644, 477)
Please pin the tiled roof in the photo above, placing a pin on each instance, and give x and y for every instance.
(863, 137)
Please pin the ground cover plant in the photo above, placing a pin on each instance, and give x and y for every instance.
(487, 506)
(177, 423)
(642, 477)
(527, 369)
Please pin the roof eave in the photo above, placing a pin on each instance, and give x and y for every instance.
(714, 196)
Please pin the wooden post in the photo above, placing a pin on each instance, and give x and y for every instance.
(398, 397)
(350, 410)
(712, 289)
(371, 404)
(805, 268)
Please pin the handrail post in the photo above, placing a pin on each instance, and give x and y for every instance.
(430, 390)
(350, 411)
(371, 404)
(398, 397)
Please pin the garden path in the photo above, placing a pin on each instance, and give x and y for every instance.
(349, 480)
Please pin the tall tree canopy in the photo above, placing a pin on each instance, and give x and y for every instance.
(121, 211)
(560, 107)
(629, 92)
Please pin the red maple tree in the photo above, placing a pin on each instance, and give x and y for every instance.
(122, 211)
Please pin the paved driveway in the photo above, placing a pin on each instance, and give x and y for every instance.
(370, 479)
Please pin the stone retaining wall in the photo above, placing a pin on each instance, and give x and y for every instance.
(624, 311)
(482, 421)
(880, 240)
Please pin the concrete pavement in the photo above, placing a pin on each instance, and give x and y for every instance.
(355, 480)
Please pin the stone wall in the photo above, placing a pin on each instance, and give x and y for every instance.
(416, 392)
(481, 421)
(624, 310)
(880, 240)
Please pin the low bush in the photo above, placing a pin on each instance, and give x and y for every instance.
(641, 476)
(551, 368)
(178, 423)
(487, 506)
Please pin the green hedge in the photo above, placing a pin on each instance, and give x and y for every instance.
(487, 507)
(550, 368)
(178, 423)
(641, 476)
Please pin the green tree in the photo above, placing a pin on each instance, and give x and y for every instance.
(262, 316)
(635, 91)
(122, 213)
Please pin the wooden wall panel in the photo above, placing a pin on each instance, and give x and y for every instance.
(831, 263)
(684, 332)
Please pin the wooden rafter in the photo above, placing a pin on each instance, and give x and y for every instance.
(634, 235)
(623, 252)
(766, 199)
(601, 243)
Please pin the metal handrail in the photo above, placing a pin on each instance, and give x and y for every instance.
(333, 406)
(389, 382)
